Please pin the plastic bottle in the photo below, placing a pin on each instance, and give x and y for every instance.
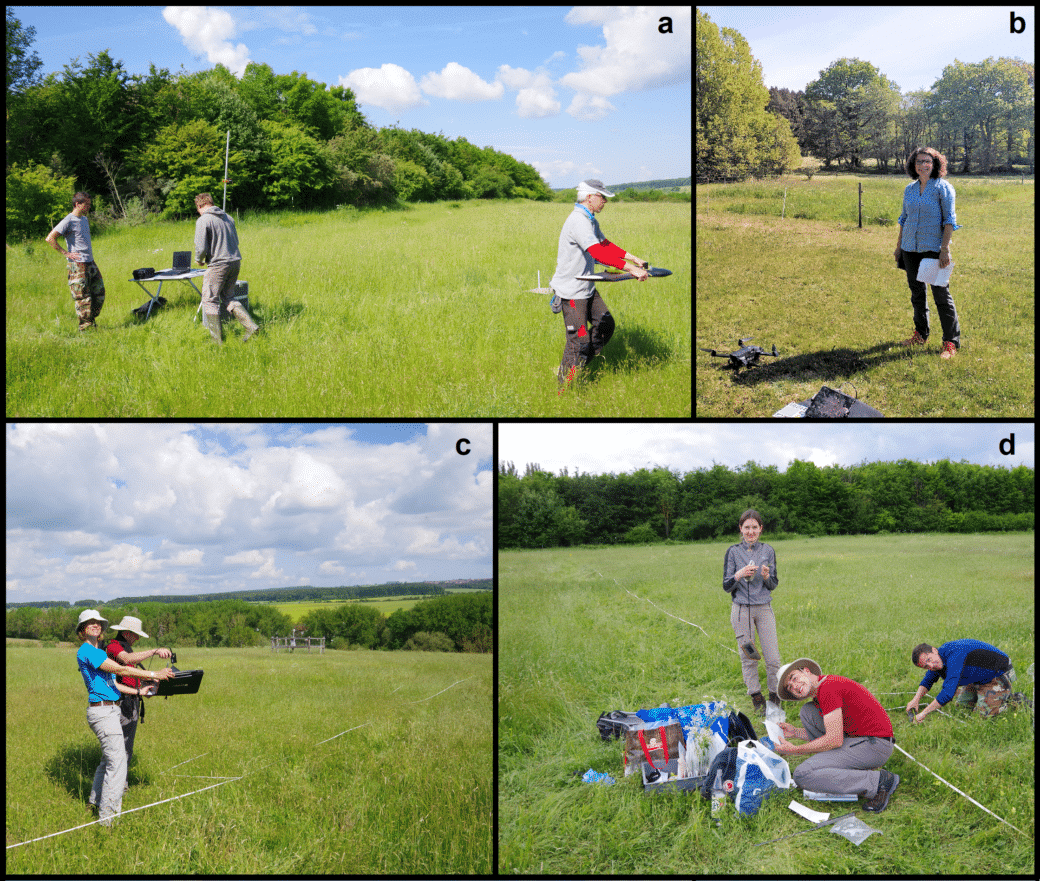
(718, 796)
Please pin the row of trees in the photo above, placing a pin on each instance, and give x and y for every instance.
(539, 509)
(152, 142)
(463, 622)
(981, 115)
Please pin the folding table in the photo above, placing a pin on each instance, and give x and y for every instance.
(185, 275)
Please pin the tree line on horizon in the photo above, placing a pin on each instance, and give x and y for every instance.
(538, 509)
(456, 622)
(301, 593)
(981, 116)
(151, 143)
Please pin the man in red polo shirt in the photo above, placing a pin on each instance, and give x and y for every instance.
(849, 735)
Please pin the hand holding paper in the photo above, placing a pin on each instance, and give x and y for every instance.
(930, 273)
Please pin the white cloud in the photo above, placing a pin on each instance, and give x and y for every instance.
(459, 83)
(590, 107)
(634, 55)
(390, 87)
(186, 508)
(118, 562)
(207, 31)
(536, 97)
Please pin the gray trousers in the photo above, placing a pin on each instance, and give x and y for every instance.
(218, 286)
(742, 618)
(110, 776)
(851, 768)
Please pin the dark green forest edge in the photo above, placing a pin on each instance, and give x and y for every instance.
(539, 509)
(444, 622)
(151, 143)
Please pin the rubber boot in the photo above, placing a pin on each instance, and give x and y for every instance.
(759, 704)
(239, 311)
(212, 323)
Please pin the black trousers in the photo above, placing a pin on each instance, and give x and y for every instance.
(919, 300)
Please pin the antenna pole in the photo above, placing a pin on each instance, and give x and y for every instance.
(226, 149)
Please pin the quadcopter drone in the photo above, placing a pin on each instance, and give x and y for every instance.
(745, 356)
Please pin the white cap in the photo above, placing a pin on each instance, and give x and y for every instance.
(588, 187)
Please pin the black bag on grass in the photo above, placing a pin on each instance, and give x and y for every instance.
(156, 304)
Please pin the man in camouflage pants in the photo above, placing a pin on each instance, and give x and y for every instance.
(85, 281)
(977, 675)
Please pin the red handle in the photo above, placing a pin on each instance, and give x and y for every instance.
(646, 751)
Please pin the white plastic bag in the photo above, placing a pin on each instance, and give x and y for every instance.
(759, 770)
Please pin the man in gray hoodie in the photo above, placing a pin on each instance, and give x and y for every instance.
(216, 247)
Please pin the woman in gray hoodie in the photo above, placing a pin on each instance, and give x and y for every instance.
(749, 577)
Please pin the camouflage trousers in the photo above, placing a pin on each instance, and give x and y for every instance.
(88, 291)
(987, 698)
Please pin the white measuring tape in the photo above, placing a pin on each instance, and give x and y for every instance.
(955, 789)
(670, 615)
(152, 805)
(896, 745)
(215, 785)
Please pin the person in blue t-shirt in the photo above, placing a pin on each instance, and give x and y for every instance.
(99, 672)
(977, 674)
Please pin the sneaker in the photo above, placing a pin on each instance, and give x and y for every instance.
(948, 351)
(886, 786)
(915, 340)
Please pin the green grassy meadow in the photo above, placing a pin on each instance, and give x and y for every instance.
(575, 644)
(831, 299)
(408, 794)
(417, 312)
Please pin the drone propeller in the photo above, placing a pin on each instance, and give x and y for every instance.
(743, 341)
(714, 354)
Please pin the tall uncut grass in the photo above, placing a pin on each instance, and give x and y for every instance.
(575, 644)
(417, 312)
(409, 793)
(829, 296)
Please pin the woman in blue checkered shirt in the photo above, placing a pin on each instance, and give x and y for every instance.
(928, 216)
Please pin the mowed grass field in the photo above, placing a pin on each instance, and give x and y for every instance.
(410, 793)
(831, 299)
(418, 312)
(575, 644)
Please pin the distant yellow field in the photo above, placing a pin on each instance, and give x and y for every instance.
(297, 611)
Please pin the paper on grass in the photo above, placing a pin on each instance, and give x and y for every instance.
(930, 273)
(809, 814)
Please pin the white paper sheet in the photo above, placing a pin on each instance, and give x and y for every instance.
(808, 813)
(930, 273)
(773, 730)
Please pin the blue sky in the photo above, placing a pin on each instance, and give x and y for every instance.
(101, 510)
(603, 448)
(577, 92)
(794, 43)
